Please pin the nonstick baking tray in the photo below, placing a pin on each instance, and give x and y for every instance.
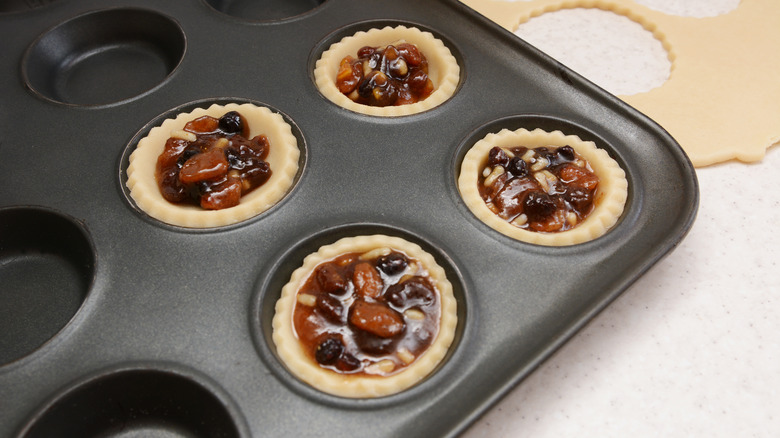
(115, 324)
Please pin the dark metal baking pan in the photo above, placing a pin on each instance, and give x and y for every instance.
(142, 327)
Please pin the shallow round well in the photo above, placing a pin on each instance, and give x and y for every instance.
(104, 57)
(137, 402)
(270, 290)
(7, 6)
(264, 10)
(47, 266)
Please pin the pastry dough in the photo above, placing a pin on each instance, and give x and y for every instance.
(610, 196)
(283, 158)
(293, 355)
(443, 68)
(722, 99)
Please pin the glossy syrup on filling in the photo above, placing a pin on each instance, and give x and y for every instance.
(544, 189)
(383, 76)
(368, 314)
(212, 163)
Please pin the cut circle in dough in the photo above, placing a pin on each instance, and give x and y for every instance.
(609, 202)
(292, 353)
(443, 68)
(704, 98)
(282, 157)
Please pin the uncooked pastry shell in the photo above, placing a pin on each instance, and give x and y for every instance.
(298, 362)
(443, 68)
(282, 157)
(610, 198)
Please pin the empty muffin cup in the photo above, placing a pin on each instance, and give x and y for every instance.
(266, 10)
(138, 401)
(47, 266)
(104, 57)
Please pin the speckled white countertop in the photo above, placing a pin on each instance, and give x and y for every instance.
(693, 347)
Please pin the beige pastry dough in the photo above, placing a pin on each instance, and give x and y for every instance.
(610, 196)
(722, 99)
(443, 68)
(300, 364)
(283, 158)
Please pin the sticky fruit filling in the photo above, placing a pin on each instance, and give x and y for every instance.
(212, 163)
(544, 189)
(373, 313)
(394, 75)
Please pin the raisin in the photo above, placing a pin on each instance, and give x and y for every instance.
(367, 281)
(417, 81)
(375, 60)
(206, 166)
(372, 344)
(410, 53)
(331, 280)
(258, 174)
(392, 264)
(390, 53)
(413, 292)
(231, 123)
(391, 75)
(579, 199)
(365, 87)
(223, 195)
(538, 206)
(497, 157)
(578, 176)
(347, 362)
(328, 351)
(554, 222)
(517, 167)
(508, 199)
(566, 153)
(365, 52)
(189, 152)
(259, 144)
(376, 318)
(202, 125)
(330, 307)
(170, 186)
(405, 96)
(174, 147)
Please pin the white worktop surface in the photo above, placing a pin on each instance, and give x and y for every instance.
(693, 347)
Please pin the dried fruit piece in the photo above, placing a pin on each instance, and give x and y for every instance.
(330, 307)
(378, 338)
(331, 280)
(578, 176)
(538, 206)
(233, 123)
(537, 188)
(209, 165)
(385, 76)
(329, 351)
(212, 163)
(367, 281)
(413, 292)
(376, 318)
(392, 264)
(497, 157)
(202, 125)
(224, 195)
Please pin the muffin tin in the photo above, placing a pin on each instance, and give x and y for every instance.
(113, 323)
